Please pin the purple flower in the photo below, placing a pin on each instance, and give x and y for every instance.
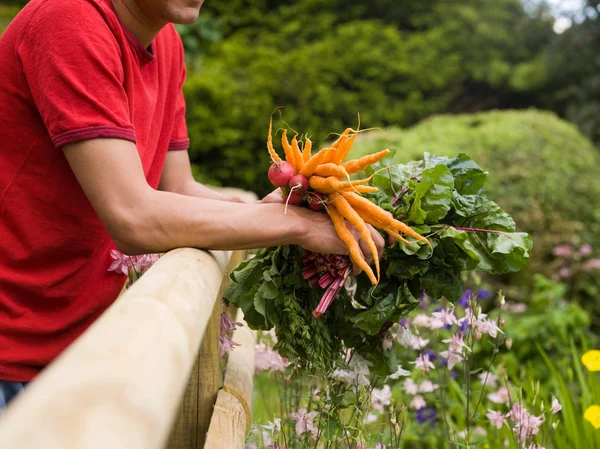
(484, 294)
(426, 414)
(432, 355)
(464, 299)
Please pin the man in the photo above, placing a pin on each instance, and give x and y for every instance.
(92, 157)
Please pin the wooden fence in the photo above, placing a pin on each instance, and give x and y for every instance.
(146, 374)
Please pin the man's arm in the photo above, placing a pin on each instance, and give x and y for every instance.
(177, 178)
(143, 220)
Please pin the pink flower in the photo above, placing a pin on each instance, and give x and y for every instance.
(120, 263)
(304, 422)
(226, 344)
(227, 324)
(564, 272)
(410, 387)
(446, 316)
(268, 359)
(380, 446)
(499, 397)
(563, 251)
(487, 378)
(593, 264)
(143, 262)
(452, 357)
(585, 249)
(488, 327)
(427, 387)
(456, 343)
(556, 407)
(496, 418)
(418, 402)
(423, 363)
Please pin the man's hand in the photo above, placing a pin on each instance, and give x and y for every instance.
(322, 235)
(274, 197)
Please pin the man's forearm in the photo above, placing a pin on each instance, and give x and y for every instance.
(165, 220)
(193, 188)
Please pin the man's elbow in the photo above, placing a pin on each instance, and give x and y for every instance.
(129, 231)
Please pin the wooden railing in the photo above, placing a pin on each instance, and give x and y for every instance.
(122, 384)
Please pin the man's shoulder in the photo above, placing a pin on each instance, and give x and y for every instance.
(76, 15)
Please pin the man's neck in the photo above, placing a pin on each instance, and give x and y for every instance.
(142, 27)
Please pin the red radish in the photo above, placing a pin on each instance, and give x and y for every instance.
(280, 173)
(295, 198)
(315, 200)
(299, 182)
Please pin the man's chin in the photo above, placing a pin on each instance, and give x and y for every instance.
(186, 17)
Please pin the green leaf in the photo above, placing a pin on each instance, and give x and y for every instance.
(432, 196)
(476, 211)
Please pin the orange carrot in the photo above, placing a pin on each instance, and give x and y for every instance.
(357, 165)
(360, 189)
(346, 236)
(384, 216)
(344, 149)
(331, 169)
(379, 225)
(309, 167)
(297, 154)
(307, 149)
(346, 210)
(274, 156)
(289, 154)
(332, 184)
(340, 140)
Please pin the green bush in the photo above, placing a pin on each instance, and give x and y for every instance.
(541, 170)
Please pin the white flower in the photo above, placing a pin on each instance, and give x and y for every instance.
(359, 373)
(421, 320)
(400, 372)
(381, 397)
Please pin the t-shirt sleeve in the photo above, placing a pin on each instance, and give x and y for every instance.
(73, 67)
(179, 136)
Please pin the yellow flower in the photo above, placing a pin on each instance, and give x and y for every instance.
(592, 414)
(591, 360)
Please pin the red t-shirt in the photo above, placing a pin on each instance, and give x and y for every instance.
(70, 71)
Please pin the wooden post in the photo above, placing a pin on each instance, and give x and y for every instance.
(231, 418)
(119, 385)
(189, 431)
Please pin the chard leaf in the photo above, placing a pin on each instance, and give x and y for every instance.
(476, 211)
(432, 196)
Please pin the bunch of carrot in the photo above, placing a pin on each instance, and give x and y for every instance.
(322, 181)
